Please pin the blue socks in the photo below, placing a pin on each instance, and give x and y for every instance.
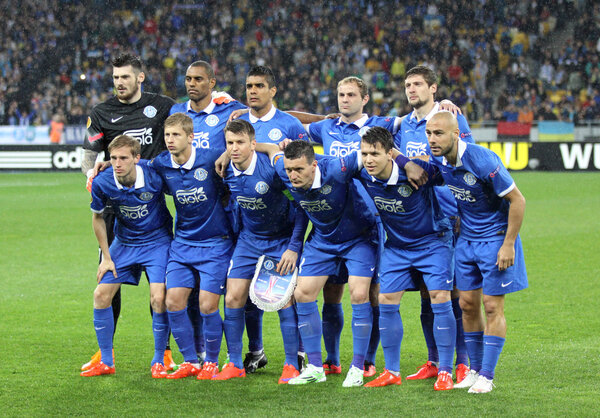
(474, 343)
(213, 334)
(374, 341)
(254, 323)
(461, 349)
(309, 325)
(181, 328)
(362, 322)
(234, 331)
(444, 332)
(104, 325)
(333, 322)
(160, 328)
(492, 347)
(288, 322)
(427, 325)
(390, 327)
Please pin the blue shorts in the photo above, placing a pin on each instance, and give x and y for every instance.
(476, 268)
(324, 259)
(401, 269)
(207, 264)
(131, 260)
(248, 251)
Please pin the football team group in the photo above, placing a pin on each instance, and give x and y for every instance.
(393, 205)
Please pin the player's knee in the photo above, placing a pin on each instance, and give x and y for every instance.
(234, 301)
(439, 296)
(302, 295)
(102, 298)
(493, 308)
(359, 295)
(208, 306)
(174, 303)
(468, 306)
(157, 301)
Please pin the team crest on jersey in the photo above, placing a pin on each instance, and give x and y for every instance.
(405, 190)
(212, 120)
(261, 187)
(326, 189)
(146, 196)
(363, 130)
(275, 134)
(269, 265)
(200, 174)
(150, 111)
(469, 179)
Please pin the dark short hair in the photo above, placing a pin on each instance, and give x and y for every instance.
(427, 73)
(362, 86)
(297, 149)
(240, 126)
(125, 141)
(379, 135)
(207, 67)
(124, 60)
(180, 119)
(262, 71)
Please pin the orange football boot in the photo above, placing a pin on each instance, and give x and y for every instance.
(289, 372)
(98, 369)
(185, 370)
(444, 381)
(209, 370)
(426, 371)
(385, 379)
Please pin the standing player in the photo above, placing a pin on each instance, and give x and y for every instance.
(143, 233)
(130, 112)
(489, 257)
(271, 226)
(271, 126)
(420, 87)
(202, 245)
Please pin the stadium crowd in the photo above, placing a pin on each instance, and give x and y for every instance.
(60, 67)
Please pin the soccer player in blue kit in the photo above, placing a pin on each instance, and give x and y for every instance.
(143, 232)
(272, 226)
(489, 258)
(419, 239)
(420, 86)
(202, 245)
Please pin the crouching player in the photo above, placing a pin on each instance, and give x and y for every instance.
(419, 242)
(202, 245)
(270, 226)
(142, 237)
(489, 257)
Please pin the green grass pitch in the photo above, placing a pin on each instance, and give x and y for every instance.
(48, 257)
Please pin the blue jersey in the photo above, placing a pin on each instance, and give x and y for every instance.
(411, 140)
(333, 204)
(265, 211)
(339, 138)
(410, 217)
(141, 213)
(209, 123)
(275, 126)
(479, 183)
(197, 192)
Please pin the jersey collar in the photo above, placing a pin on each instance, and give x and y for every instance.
(139, 178)
(433, 111)
(250, 170)
(359, 123)
(462, 147)
(317, 181)
(393, 180)
(188, 164)
(270, 114)
(208, 109)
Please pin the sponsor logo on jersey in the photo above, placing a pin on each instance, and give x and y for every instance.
(150, 111)
(389, 205)
(326, 189)
(251, 203)
(363, 130)
(143, 135)
(469, 179)
(405, 190)
(134, 212)
(212, 120)
(146, 196)
(315, 206)
(414, 149)
(187, 197)
(275, 134)
(462, 194)
(201, 140)
(495, 172)
(200, 174)
(340, 149)
(261, 187)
